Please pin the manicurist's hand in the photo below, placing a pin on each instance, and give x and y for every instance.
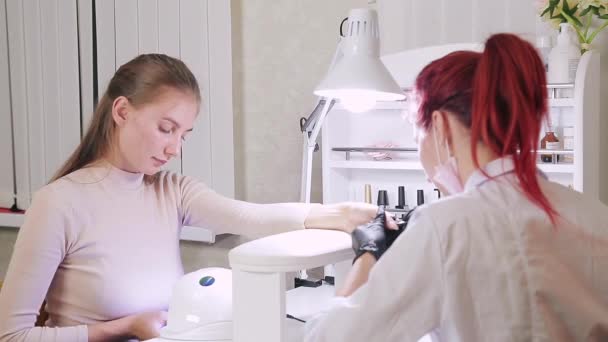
(371, 237)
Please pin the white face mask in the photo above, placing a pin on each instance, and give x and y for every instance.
(446, 175)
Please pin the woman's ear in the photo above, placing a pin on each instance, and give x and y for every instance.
(441, 127)
(120, 110)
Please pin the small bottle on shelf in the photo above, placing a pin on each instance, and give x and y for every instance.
(368, 193)
(420, 197)
(382, 198)
(549, 142)
(401, 198)
(568, 140)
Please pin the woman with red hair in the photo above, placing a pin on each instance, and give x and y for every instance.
(509, 256)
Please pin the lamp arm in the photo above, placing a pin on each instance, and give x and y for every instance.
(313, 122)
(310, 130)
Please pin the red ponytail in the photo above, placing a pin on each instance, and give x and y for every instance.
(509, 106)
(501, 95)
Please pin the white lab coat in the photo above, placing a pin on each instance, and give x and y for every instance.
(485, 265)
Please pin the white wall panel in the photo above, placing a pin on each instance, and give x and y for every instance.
(43, 54)
(406, 24)
(194, 44)
(168, 27)
(127, 37)
(456, 15)
(396, 25)
(220, 97)
(147, 18)
(85, 45)
(428, 18)
(489, 17)
(521, 18)
(35, 97)
(51, 86)
(106, 44)
(69, 83)
(7, 183)
(16, 51)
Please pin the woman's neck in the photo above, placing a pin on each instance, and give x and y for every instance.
(119, 162)
(464, 158)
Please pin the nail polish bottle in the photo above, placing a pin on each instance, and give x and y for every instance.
(420, 197)
(368, 193)
(401, 198)
(382, 198)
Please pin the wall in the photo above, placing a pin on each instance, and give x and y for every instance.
(601, 42)
(407, 24)
(281, 49)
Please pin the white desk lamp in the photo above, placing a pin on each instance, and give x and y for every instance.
(357, 78)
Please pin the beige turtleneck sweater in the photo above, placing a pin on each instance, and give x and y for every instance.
(100, 244)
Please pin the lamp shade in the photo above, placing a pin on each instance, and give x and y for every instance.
(359, 75)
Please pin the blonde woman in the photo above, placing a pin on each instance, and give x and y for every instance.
(100, 242)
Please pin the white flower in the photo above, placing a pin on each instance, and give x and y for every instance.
(586, 3)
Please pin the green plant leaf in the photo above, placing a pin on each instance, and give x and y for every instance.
(585, 11)
(552, 10)
(571, 21)
(565, 7)
(578, 22)
(545, 11)
(596, 11)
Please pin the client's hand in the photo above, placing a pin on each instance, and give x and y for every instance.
(357, 213)
(343, 216)
(371, 237)
(145, 326)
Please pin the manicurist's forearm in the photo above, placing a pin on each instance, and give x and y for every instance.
(358, 274)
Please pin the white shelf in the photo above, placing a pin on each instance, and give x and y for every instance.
(561, 102)
(415, 165)
(556, 168)
(371, 164)
(11, 220)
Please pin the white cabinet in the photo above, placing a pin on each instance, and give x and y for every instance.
(346, 173)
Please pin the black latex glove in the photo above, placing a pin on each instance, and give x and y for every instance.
(392, 234)
(371, 237)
